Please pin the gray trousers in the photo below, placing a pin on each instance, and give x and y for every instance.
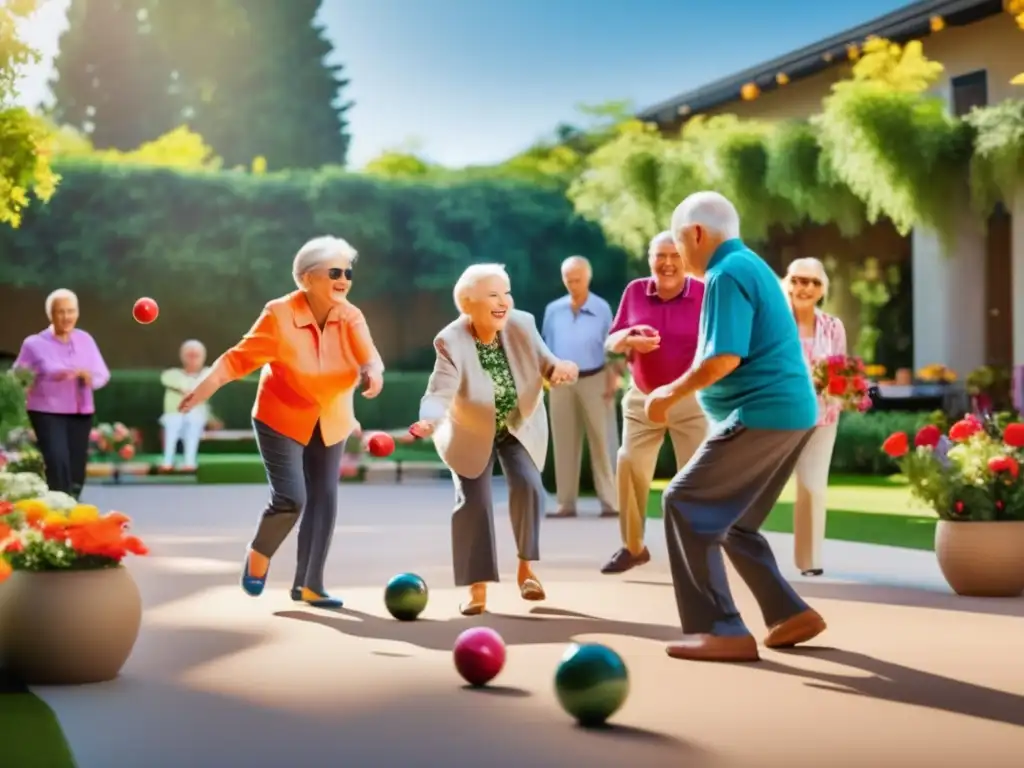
(303, 481)
(718, 501)
(474, 556)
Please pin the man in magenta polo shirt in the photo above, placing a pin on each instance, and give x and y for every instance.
(657, 327)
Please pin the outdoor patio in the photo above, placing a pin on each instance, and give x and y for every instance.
(906, 672)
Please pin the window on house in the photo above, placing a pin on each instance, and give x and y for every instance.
(969, 91)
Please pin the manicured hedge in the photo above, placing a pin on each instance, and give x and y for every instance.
(136, 398)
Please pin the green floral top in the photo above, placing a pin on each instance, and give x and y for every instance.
(495, 362)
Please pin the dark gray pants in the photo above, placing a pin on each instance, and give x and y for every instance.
(303, 481)
(474, 556)
(718, 501)
(63, 440)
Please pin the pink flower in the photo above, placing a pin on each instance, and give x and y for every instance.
(94, 435)
(127, 452)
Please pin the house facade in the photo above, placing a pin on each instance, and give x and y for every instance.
(967, 299)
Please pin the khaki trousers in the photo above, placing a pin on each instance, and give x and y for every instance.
(579, 409)
(809, 512)
(638, 456)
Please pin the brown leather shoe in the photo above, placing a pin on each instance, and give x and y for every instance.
(714, 648)
(624, 560)
(805, 626)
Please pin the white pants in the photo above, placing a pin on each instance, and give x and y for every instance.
(811, 491)
(186, 427)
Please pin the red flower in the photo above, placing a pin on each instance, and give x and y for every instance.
(959, 507)
(1013, 435)
(837, 386)
(896, 445)
(964, 430)
(1008, 464)
(860, 385)
(928, 436)
(14, 547)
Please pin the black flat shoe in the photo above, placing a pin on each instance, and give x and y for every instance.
(812, 572)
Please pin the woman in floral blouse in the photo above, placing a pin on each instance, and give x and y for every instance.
(822, 335)
(485, 402)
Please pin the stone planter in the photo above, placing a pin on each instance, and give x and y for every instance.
(68, 627)
(982, 559)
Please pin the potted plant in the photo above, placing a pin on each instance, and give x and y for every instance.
(70, 611)
(110, 445)
(971, 478)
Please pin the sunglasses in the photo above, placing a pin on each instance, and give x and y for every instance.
(335, 273)
(804, 282)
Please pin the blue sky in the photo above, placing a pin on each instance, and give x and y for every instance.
(474, 81)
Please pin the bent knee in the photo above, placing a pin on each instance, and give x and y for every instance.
(287, 503)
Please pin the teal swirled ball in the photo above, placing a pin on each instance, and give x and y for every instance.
(405, 596)
(591, 683)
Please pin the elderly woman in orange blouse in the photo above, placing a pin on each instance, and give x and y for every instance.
(314, 347)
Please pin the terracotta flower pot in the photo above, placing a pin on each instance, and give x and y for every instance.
(68, 627)
(982, 559)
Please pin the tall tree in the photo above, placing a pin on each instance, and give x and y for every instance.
(112, 82)
(24, 138)
(256, 80)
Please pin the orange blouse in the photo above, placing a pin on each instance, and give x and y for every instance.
(308, 375)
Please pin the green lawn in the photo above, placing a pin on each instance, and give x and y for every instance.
(872, 510)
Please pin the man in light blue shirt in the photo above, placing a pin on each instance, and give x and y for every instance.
(575, 328)
(754, 386)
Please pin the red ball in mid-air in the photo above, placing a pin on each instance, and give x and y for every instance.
(380, 444)
(145, 310)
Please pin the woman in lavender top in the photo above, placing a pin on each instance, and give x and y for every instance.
(68, 367)
(822, 335)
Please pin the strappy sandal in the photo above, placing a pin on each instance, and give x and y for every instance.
(472, 608)
(531, 590)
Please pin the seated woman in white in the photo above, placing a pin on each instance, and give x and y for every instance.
(186, 428)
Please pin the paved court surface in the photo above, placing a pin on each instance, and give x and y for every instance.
(907, 674)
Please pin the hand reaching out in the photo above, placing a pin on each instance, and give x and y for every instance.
(564, 372)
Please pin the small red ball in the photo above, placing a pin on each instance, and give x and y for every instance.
(145, 310)
(479, 655)
(380, 444)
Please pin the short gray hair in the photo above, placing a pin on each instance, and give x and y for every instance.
(318, 251)
(53, 298)
(660, 239)
(471, 277)
(806, 265)
(582, 260)
(193, 344)
(710, 210)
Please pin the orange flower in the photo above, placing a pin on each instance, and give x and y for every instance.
(135, 546)
(5, 569)
(5, 531)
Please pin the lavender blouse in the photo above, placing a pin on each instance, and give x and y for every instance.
(50, 359)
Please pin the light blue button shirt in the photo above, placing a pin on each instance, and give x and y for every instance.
(578, 336)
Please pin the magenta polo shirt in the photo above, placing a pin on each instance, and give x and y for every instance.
(676, 320)
(46, 356)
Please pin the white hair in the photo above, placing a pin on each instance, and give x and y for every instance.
(58, 295)
(574, 260)
(710, 210)
(193, 344)
(660, 239)
(471, 277)
(318, 251)
(803, 267)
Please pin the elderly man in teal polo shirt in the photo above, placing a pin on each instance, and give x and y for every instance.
(753, 384)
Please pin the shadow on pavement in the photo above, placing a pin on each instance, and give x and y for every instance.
(902, 596)
(514, 630)
(903, 685)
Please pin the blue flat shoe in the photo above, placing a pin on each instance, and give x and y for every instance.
(317, 600)
(252, 585)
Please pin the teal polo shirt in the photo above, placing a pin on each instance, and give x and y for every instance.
(747, 314)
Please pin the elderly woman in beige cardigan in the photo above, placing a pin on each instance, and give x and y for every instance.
(485, 402)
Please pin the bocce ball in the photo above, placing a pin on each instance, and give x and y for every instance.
(591, 683)
(145, 310)
(405, 596)
(380, 444)
(479, 655)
